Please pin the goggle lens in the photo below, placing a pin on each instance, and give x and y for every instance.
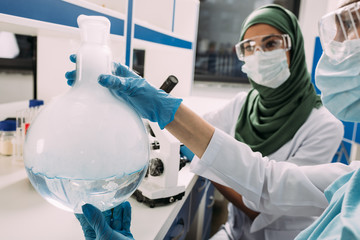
(263, 43)
(339, 27)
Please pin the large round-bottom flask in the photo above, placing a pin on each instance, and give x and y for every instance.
(87, 146)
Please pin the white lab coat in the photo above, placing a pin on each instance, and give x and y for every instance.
(287, 196)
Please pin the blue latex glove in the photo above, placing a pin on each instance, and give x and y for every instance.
(151, 103)
(186, 152)
(113, 224)
(71, 75)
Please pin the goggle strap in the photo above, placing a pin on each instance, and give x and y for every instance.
(287, 41)
(342, 26)
(358, 15)
(353, 23)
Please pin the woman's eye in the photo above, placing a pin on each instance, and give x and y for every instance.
(248, 48)
(347, 25)
(270, 45)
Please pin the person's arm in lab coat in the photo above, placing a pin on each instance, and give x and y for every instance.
(315, 142)
(269, 185)
(225, 118)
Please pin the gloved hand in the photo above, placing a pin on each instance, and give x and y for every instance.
(151, 103)
(186, 152)
(71, 75)
(113, 224)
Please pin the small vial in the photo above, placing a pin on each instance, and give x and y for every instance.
(1, 131)
(34, 108)
(20, 136)
(8, 137)
(23, 120)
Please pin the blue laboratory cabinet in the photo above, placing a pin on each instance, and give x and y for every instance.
(193, 212)
(197, 211)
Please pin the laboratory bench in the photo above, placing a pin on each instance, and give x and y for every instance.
(24, 214)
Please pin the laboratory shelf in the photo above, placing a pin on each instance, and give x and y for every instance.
(10, 173)
(27, 18)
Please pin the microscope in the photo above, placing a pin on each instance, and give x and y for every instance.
(160, 184)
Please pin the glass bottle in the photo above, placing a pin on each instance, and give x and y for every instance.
(7, 137)
(87, 146)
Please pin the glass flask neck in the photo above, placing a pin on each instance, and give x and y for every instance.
(91, 61)
(94, 56)
(94, 29)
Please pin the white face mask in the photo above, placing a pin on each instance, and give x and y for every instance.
(340, 51)
(269, 69)
(339, 83)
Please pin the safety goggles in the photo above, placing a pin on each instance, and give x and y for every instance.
(264, 43)
(337, 28)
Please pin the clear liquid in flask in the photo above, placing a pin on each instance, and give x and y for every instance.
(70, 194)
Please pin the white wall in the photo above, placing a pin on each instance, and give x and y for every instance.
(160, 14)
(156, 12)
(53, 62)
(16, 87)
(161, 60)
(117, 5)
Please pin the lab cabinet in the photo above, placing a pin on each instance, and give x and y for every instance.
(180, 226)
(196, 213)
(197, 193)
(209, 203)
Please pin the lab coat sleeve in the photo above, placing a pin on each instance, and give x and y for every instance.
(324, 134)
(321, 136)
(273, 187)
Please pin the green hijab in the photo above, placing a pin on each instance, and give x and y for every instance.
(271, 117)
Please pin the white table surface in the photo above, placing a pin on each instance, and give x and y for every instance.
(24, 214)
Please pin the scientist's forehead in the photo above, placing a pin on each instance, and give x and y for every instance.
(343, 3)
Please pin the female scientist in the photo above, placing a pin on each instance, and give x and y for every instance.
(327, 190)
(281, 117)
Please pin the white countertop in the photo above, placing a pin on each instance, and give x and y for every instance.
(24, 214)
